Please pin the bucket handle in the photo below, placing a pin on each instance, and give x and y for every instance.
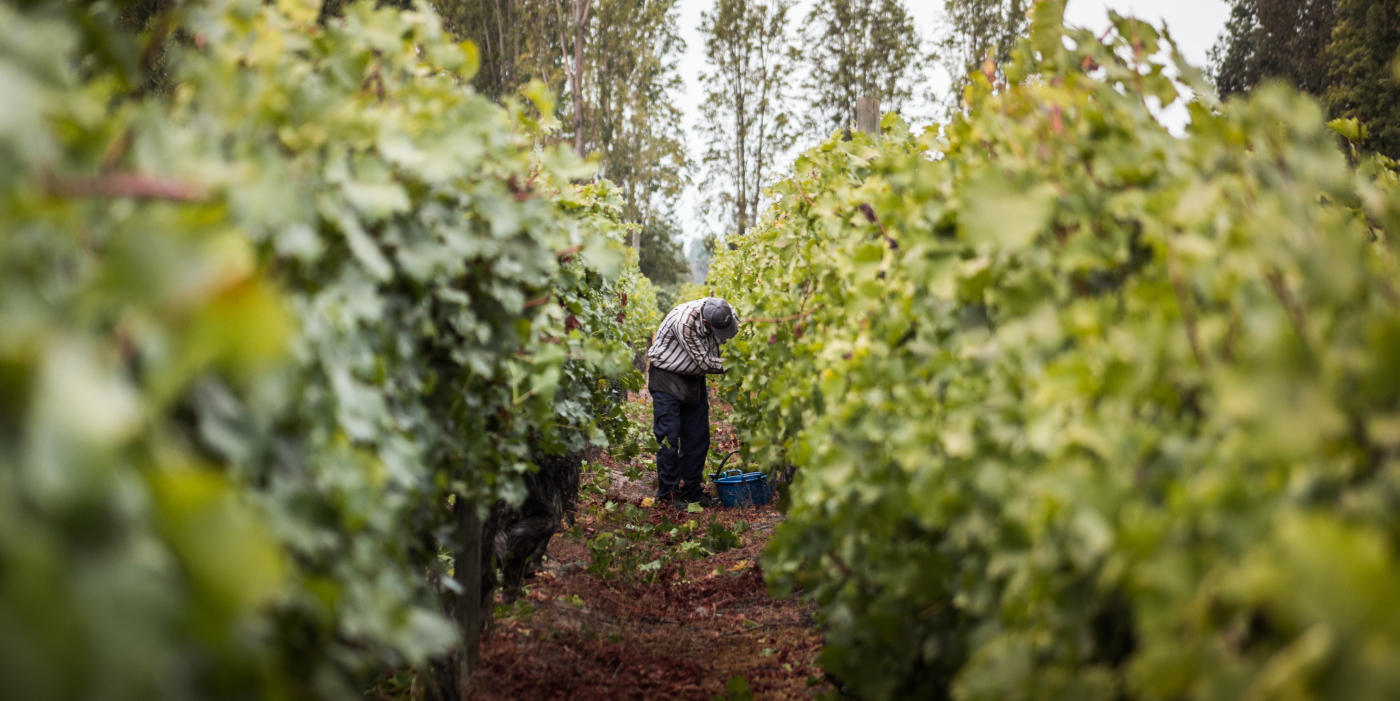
(720, 471)
(725, 461)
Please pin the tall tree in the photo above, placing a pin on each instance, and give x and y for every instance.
(613, 66)
(860, 48)
(579, 11)
(1282, 40)
(744, 113)
(1364, 71)
(633, 124)
(505, 32)
(976, 29)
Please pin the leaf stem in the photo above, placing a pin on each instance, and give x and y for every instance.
(1188, 310)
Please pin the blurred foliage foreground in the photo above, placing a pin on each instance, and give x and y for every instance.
(270, 292)
(1080, 410)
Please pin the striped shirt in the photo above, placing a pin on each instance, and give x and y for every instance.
(684, 345)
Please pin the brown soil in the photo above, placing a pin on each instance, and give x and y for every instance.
(682, 637)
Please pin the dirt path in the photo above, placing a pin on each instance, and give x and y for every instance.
(662, 605)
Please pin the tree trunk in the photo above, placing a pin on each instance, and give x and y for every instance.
(468, 575)
(581, 9)
(505, 62)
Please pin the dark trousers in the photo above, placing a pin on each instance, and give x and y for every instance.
(683, 430)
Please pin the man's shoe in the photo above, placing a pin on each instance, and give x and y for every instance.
(704, 500)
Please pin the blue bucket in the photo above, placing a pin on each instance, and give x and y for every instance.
(733, 489)
(760, 492)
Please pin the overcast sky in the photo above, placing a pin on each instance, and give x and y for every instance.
(1194, 24)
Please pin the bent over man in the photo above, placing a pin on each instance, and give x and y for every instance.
(685, 349)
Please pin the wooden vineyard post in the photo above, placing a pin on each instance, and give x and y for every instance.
(868, 121)
(868, 115)
(637, 239)
(467, 572)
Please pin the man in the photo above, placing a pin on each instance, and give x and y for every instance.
(685, 350)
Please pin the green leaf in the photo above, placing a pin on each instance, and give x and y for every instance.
(738, 687)
(999, 213)
(1350, 129)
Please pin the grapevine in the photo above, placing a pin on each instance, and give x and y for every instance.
(1080, 409)
(262, 321)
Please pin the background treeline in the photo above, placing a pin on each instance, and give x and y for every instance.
(609, 67)
(776, 81)
(612, 67)
(1340, 51)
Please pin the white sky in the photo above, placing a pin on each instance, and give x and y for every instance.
(1194, 25)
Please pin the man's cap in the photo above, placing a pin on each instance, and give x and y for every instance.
(721, 318)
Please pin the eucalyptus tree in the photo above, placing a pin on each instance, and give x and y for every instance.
(611, 67)
(975, 30)
(744, 115)
(632, 122)
(506, 34)
(860, 48)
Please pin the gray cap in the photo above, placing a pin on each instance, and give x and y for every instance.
(723, 322)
